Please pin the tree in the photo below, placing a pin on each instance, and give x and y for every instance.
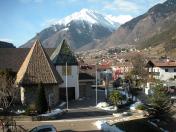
(139, 72)
(117, 83)
(131, 90)
(159, 102)
(8, 91)
(115, 97)
(41, 102)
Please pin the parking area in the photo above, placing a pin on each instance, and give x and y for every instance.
(85, 107)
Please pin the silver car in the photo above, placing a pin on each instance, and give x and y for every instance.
(44, 128)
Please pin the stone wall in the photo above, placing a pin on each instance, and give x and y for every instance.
(51, 92)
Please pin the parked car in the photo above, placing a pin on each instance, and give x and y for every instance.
(44, 128)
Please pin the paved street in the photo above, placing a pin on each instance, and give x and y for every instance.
(85, 107)
(81, 116)
(82, 125)
(84, 113)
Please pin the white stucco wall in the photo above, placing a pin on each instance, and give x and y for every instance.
(167, 75)
(163, 75)
(72, 80)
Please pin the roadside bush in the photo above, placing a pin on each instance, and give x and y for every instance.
(140, 107)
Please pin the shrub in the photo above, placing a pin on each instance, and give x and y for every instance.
(41, 102)
(140, 107)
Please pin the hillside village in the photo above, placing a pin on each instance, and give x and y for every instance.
(67, 76)
(89, 72)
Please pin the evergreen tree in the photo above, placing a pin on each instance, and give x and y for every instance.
(159, 102)
(41, 102)
(115, 97)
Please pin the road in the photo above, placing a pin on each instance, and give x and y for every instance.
(75, 125)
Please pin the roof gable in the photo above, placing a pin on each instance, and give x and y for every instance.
(63, 54)
(37, 68)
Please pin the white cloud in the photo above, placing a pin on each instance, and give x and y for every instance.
(122, 5)
(120, 19)
(6, 40)
(154, 2)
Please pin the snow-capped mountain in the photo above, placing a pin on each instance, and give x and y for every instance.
(90, 16)
(79, 28)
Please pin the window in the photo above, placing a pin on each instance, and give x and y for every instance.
(166, 70)
(69, 70)
(174, 70)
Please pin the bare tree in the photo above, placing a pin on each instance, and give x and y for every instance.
(8, 91)
(139, 71)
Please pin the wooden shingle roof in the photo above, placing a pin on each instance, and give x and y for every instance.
(12, 58)
(63, 54)
(37, 68)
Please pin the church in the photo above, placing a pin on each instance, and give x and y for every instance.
(55, 69)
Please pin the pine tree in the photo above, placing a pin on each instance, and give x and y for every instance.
(160, 103)
(41, 102)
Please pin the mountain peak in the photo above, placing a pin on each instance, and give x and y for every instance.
(81, 28)
(90, 16)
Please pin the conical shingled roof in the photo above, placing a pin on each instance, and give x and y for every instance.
(37, 68)
(63, 54)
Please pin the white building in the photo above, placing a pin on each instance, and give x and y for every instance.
(162, 70)
(64, 58)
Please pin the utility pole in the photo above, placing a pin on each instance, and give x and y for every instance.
(106, 84)
(66, 85)
(96, 84)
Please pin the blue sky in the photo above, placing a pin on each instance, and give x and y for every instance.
(20, 20)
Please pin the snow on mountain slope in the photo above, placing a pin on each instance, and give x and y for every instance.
(119, 19)
(80, 28)
(90, 16)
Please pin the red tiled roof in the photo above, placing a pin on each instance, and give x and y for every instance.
(164, 63)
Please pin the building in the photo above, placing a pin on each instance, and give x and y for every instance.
(64, 60)
(37, 68)
(48, 66)
(121, 68)
(163, 70)
(85, 84)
